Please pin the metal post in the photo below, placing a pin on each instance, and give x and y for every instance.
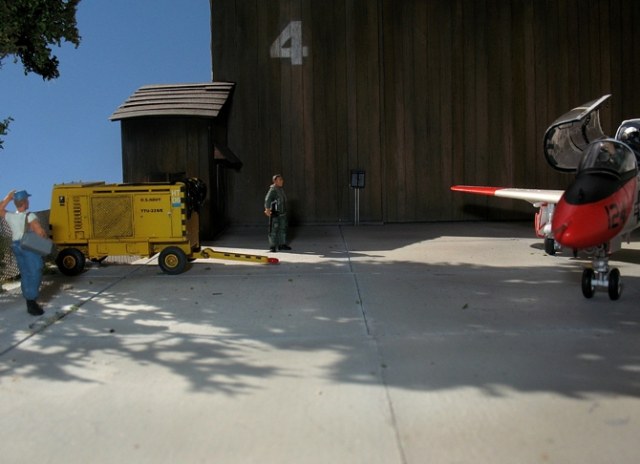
(356, 218)
(357, 183)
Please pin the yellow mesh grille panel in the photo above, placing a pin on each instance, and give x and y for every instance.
(112, 217)
(77, 214)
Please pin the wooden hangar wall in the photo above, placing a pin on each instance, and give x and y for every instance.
(421, 94)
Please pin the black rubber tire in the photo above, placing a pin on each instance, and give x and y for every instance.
(172, 260)
(70, 261)
(587, 288)
(615, 284)
(550, 246)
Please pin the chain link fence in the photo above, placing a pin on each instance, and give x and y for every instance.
(8, 265)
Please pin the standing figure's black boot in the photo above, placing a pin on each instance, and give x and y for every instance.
(34, 308)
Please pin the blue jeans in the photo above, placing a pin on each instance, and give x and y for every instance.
(30, 265)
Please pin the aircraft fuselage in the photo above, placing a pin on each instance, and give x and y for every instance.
(595, 209)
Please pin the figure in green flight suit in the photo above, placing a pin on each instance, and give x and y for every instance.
(275, 207)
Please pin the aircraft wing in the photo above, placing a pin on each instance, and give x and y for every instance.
(533, 196)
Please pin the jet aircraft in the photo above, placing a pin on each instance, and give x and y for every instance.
(600, 207)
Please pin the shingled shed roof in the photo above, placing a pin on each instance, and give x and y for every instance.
(202, 100)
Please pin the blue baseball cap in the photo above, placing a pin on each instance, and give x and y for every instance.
(21, 195)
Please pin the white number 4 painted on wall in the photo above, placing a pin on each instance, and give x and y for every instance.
(292, 35)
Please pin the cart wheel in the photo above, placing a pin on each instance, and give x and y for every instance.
(70, 261)
(172, 260)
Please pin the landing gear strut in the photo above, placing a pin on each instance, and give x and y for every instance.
(600, 275)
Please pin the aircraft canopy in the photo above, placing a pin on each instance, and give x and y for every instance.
(609, 155)
(567, 138)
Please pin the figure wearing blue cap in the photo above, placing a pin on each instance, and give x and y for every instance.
(29, 263)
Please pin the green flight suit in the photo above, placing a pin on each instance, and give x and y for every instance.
(276, 201)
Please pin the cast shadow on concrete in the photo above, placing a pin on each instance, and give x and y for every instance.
(463, 326)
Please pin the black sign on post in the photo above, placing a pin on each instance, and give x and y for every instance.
(357, 178)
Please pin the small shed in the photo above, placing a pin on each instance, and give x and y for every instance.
(176, 131)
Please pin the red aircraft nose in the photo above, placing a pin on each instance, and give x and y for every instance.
(590, 224)
(581, 226)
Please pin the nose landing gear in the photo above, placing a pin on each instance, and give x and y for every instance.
(600, 275)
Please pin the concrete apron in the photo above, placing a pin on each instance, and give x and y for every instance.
(375, 344)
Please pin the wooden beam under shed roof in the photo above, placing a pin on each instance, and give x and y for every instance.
(202, 100)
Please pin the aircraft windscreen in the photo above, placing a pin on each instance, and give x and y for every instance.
(569, 135)
(609, 155)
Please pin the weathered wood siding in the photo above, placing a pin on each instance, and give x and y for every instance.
(156, 149)
(422, 94)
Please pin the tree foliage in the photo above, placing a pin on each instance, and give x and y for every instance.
(4, 126)
(28, 28)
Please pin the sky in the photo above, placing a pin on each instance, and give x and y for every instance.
(61, 131)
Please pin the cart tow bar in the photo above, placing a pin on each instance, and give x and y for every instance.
(210, 253)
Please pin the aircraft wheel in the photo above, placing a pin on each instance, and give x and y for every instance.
(172, 260)
(615, 285)
(70, 261)
(588, 289)
(550, 246)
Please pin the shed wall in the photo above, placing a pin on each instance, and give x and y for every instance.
(155, 149)
(422, 94)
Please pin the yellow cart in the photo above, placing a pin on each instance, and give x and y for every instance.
(95, 220)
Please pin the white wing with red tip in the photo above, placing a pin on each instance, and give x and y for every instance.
(531, 195)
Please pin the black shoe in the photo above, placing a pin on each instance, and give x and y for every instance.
(273, 249)
(285, 247)
(34, 308)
